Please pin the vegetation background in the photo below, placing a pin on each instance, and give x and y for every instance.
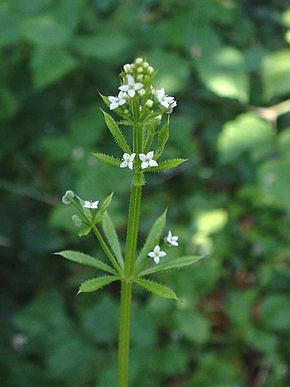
(228, 64)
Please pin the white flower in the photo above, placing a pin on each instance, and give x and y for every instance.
(131, 87)
(171, 239)
(147, 160)
(164, 100)
(89, 204)
(139, 60)
(68, 197)
(156, 254)
(128, 160)
(117, 101)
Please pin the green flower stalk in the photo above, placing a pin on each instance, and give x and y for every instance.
(146, 110)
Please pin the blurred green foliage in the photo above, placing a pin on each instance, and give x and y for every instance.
(220, 58)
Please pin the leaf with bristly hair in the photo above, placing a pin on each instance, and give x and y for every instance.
(156, 288)
(166, 165)
(172, 264)
(105, 99)
(107, 159)
(163, 137)
(116, 132)
(85, 259)
(154, 234)
(112, 237)
(94, 284)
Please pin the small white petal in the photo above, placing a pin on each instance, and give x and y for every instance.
(174, 243)
(162, 254)
(124, 88)
(151, 254)
(153, 163)
(131, 80)
(121, 102)
(156, 260)
(132, 157)
(142, 156)
(150, 155)
(113, 105)
(111, 99)
(165, 104)
(131, 93)
(123, 164)
(138, 86)
(130, 165)
(144, 165)
(156, 249)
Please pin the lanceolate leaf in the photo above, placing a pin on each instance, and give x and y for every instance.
(166, 165)
(84, 231)
(96, 283)
(163, 137)
(154, 234)
(176, 263)
(156, 288)
(107, 159)
(84, 259)
(112, 237)
(106, 203)
(116, 132)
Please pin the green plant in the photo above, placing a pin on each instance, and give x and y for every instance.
(141, 107)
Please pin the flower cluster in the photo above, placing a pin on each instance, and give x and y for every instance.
(146, 160)
(69, 197)
(157, 253)
(137, 84)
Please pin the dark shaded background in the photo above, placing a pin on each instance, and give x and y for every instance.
(223, 60)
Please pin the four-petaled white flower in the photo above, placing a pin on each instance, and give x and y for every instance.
(165, 100)
(127, 160)
(90, 204)
(147, 160)
(156, 254)
(115, 102)
(171, 239)
(131, 87)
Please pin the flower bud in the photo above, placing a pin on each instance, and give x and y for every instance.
(139, 60)
(141, 92)
(68, 197)
(127, 68)
(150, 69)
(149, 102)
(140, 77)
(77, 220)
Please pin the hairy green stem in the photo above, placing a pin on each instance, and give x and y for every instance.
(130, 255)
(124, 333)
